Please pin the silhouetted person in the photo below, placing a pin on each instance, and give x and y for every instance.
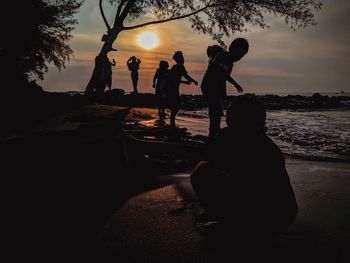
(244, 182)
(108, 68)
(213, 51)
(173, 84)
(159, 81)
(134, 65)
(214, 81)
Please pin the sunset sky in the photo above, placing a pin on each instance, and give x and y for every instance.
(315, 59)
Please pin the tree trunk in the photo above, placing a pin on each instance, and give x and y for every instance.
(97, 83)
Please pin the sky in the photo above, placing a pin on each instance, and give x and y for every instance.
(280, 60)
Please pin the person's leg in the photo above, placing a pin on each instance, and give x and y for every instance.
(174, 110)
(215, 114)
(162, 104)
(207, 186)
(136, 81)
(134, 78)
(201, 180)
(159, 103)
(175, 106)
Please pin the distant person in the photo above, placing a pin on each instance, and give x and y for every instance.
(244, 182)
(173, 84)
(214, 81)
(159, 81)
(134, 65)
(108, 68)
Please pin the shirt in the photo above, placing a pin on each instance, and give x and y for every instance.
(214, 80)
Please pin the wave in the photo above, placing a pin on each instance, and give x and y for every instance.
(322, 135)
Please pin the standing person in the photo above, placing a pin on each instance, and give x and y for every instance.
(244, 181)
(134, 65)
(214, 51)
(108, 66)
(173, 84)
(214, 81)
(159, 81)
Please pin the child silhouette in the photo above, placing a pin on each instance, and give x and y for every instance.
(173, 84)
(159, 81)
(214, 81)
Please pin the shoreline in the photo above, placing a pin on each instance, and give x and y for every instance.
(194, 127)
(271, 101)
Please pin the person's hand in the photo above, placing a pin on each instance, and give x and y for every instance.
(239, 88)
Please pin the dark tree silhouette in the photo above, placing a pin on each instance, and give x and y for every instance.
(42, 37)
(216, 18)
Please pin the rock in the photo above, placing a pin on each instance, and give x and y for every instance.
(116, 92)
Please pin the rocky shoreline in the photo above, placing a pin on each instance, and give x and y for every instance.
(191, 102)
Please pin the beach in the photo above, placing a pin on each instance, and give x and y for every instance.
(146, 228)
(320, 232)
(95, 205)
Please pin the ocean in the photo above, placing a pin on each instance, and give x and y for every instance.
(304, 125)
(322, 135)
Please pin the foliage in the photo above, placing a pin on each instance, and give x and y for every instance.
(219, 17)
(44, 28)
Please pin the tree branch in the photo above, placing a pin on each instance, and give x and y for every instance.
(120, 8)
(103, 16)
(126, 10)
(171, 18)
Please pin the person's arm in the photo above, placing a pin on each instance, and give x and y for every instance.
(188, 82)
(234, 83)
(188, 77)
(154, 78)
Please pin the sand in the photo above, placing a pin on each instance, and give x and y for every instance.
(146, 228)
(153, 220)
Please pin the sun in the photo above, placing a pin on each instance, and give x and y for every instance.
(148, 40)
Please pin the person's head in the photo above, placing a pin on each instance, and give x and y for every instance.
(132, 58)
(179, 58)
(163, 64)
(238, 48)
(213, 51)
(246, 113)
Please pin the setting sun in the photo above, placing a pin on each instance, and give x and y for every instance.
(148, 40)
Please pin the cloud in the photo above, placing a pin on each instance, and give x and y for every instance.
(313, 59)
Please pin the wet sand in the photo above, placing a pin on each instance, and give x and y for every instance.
(146, 228)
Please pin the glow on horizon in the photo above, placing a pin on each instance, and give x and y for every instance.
(148, 40)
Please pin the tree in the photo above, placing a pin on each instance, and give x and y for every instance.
(217, 18)
(41, 37)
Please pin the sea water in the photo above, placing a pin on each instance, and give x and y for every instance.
(307, 134)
